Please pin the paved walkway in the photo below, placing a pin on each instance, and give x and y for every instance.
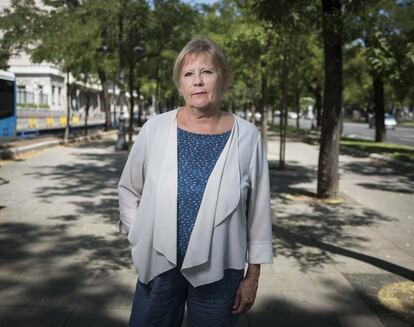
(63, 264)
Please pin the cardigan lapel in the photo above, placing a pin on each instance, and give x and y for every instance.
(165, 218)
(221, 197)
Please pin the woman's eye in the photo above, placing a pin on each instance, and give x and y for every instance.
(207, 72)
(187, 74)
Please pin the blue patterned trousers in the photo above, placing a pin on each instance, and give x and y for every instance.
(161, 302)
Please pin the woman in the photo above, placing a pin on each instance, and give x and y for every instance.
(194, 200)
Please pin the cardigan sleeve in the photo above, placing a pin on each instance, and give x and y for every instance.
(132, 181)
(259, 219)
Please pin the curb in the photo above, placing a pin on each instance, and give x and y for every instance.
(11, 153)
(388, 159)
(314, 140)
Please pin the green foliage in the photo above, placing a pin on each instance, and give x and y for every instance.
(259, 37)
(16, 24)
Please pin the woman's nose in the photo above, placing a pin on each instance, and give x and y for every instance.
(198, 80)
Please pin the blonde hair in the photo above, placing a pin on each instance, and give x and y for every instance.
(204, 46)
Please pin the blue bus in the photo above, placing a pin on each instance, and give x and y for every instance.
(7, 104)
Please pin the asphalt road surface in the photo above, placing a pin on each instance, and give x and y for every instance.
(401, 135)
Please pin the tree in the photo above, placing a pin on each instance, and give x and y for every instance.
(332, 103)
(384, 32)
(17, 23)
(289, 13)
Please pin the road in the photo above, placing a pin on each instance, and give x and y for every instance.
(401, 135)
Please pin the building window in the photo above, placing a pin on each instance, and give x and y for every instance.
(59, 95)
(53, 94)
(21, 94)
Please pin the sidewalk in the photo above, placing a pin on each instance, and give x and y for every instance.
(63, 264)
(12, 148)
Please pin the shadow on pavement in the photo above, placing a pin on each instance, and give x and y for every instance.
(402, 174)
(300, 226)
(69, 268)
(313, 233)
(73, 269)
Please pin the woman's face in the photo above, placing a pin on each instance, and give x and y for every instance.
(200, 82)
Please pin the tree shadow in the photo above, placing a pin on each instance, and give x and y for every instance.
(336, 306)
(90, 185)
(314, 233)
(300, 228)
(403, 175)
(49, 276)
(66, 265)
(406, 189)
(287, 180)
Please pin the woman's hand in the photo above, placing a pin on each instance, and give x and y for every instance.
(246, 293)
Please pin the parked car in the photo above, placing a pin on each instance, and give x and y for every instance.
(292, 115)
(389, 121)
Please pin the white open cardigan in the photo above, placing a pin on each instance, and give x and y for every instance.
(233, 225)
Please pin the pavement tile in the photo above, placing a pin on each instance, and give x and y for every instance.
(243, 321)
(287, 281)
(23, 317)
(283, 264)
(266, 319)
(127, 300)
(102, 297)
(368, 286)
(126, 277)
(359, 321)
(60, 273)
(328, 302)
(266, 269)
(98, 318)
(20, 294)
(347, 265)
(329, 280)
(390, 320)
(270, 300)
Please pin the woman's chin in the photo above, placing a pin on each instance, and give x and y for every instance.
(203, 106)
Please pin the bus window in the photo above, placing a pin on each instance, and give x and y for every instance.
(6, 98)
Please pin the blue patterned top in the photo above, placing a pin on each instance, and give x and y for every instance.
(197, 156)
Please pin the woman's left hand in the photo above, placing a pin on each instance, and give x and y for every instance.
(245, 295)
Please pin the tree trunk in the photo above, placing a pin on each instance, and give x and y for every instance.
(378, 86)
(67, 127)
(131, 102)
(283, 120)
(253, 111)
(87, 112)
(139, 104)
(318, 107)
(332, 104)
(297, 109)
(157, 87)
(263, 107)
(106, 107)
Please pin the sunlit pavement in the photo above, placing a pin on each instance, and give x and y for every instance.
(62, 262)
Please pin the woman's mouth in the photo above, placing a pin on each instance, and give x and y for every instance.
(199, 93)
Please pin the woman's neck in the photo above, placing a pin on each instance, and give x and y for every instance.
(200, 121)
(202, 117)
